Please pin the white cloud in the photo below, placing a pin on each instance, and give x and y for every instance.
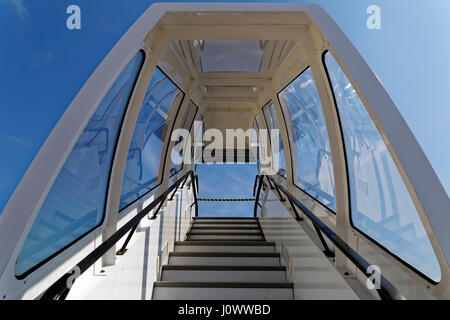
(19, 7)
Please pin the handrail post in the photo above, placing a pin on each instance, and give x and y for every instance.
(270, 184)
(255, 183)
(282, 199)
(255, 209)
(176, 189)
(173, 193)
(194, 182)
(326, 251)
(124, 249)
(274, 186)
(297, 216)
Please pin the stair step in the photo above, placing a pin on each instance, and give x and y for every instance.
(179, 284)
(223, 254)
(223, 273)
(242, 247)
(225, 230)
(224, 258)
(224, 268)
(224, 290)
(225, 240)
(226, 227)
(224, 236)
(225, 220)
(225, 223)
(224, 243)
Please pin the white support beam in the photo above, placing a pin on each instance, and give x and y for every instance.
(237, 17)
(225, 92)
(228, 100)
(231, 32)
(229, 109)
(233, 79)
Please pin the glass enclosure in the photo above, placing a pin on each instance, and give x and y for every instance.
(273, 124)
(76, 202)
(381, 206)
(147, 145)
(312, 162)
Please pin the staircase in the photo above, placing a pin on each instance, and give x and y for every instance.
(223, 258)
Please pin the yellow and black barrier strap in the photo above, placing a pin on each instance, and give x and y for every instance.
(239, 199)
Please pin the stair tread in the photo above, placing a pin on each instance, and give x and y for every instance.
(223, 268)
(223, 243)
(194, 227)
(228, 240)
(224, 218)
(223, 233)
(224, 254)
(246, 266)
(244, 222)
(283, 285)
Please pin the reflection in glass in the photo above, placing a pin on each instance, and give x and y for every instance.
(197, 146)
(75, 204)
(273, 124)
(186, 123)
(146, 148)
(381, 206)
(309, 138)
(254, 142)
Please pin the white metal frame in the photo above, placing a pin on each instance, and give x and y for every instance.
(164, 22)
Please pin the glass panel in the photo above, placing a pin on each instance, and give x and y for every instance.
(258, 122)
(147, 145)
(309, 138)
(186, 123)
(197, 146)
(231, 55)
(254, 144)
(75, 204)
(381, 205)
(273, 124)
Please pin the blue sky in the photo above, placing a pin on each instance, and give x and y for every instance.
(43, 65)
(226, 181)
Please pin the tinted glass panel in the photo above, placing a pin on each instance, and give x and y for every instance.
(197, 146)
(75, 204)
(186, 123)
(313, 169)
(381, 205)
(273, 124)
(147, 145)
(254, 144)
(230, 55)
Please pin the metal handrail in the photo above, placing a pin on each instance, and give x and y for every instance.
(60, 289)
(387, 290)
